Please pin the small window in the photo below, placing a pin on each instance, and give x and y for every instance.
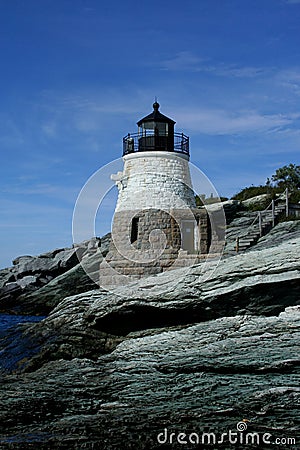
(134, 229)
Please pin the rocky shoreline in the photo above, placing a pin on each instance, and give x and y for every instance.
(167, 354)
(35, 284)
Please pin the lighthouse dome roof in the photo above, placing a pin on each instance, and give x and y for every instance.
(156, 116)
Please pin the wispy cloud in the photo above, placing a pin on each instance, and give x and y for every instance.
(85, 112)
(238, 71)
(10, 132)
(92, 116)
(225, 122)
(49, 129)
(40, 189)
(183, 61)
(292, 1)
(187, 61)
(290, 78)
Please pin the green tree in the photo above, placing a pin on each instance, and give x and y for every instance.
(287, 177)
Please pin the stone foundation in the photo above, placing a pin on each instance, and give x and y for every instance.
(152, 241)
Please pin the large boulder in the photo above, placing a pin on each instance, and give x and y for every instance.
(35, 284)
(72, 282)
(47, 263)
(257, 201)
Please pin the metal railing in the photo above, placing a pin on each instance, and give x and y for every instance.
(259, 218)
(178, 142)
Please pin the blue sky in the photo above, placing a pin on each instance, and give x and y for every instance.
(76, 75)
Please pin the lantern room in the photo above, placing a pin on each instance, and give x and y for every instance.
(156, 133)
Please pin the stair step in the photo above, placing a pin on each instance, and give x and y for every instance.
(267, 218)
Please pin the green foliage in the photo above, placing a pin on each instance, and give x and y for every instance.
(295, 197)
(253, 191)
(284, 177)
(198, 201)
(259, 206)
(287, 177)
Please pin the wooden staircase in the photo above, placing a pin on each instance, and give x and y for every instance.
(262, 224)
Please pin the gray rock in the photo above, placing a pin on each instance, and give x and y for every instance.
(195, 379)
(26, 281)
(72, 282)
(63, 259)
(180, 351)
(255, 283)
(258, 200)
(22, 259)
(8, 291)
(6, 277)
(46, 279)
(282, 232)
(237, 227)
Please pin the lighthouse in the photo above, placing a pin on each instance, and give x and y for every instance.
(156, 225)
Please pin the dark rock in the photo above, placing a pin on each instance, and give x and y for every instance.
(22, 259)
(41, 282)
(257, 283)
(62, 260)
(192, 350)
(10, 291)
(196, 379)
(231, 209)
(44, 299)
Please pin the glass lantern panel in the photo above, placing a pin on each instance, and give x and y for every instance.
(148, 125)
(161, 127)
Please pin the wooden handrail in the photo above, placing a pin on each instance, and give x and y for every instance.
(259, 217)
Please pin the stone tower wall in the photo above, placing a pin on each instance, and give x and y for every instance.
(159, 180)
(155, 204)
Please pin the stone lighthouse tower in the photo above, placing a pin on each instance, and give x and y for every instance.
(156, 224)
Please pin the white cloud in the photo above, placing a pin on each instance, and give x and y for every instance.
(239, 72)
(290, 79)
(187, 61)
(183, 61)
(42, 191)
(50, 129)
(226, 122)
(85, 112)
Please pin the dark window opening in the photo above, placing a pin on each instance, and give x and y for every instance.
(134, 229)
